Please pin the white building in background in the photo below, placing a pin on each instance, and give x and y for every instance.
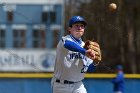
(31, 23)
(29, 29)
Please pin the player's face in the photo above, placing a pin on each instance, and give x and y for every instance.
(77, 30)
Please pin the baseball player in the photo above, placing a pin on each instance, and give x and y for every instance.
(72, 60)
(118, 81)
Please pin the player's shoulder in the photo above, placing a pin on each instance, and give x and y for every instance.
(67, 37)
(63, 39)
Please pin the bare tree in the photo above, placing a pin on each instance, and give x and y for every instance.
(117, 32)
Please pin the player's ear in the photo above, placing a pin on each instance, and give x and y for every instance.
(69, 29)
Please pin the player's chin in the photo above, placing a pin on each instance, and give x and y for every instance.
(79, 35)
(80, 32)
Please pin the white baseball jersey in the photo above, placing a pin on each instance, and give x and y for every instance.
(70, 65)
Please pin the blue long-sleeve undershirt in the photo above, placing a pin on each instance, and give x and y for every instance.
(91, 68)
(74, 47)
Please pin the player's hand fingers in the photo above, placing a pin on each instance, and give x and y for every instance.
(90, 53)
(94, 48)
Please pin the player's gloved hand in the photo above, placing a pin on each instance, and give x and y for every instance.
(93, 51)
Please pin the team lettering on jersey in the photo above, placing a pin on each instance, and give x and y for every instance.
(77, 55)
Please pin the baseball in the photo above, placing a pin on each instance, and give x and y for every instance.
(112, 7)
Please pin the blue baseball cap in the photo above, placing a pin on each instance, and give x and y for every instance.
(77, 19)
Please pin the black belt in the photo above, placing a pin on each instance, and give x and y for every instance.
(65, 81)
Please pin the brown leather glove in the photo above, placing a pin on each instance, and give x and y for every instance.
(96, 49)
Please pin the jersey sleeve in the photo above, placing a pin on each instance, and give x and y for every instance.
(91, 68)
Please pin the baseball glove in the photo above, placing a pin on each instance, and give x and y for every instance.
(96, 49)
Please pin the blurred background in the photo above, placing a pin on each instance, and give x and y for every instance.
(31, 29)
